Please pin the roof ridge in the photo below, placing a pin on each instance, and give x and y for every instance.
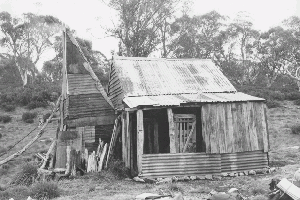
(151, 58)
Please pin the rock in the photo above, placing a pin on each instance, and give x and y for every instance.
(259, 171)
(181, 178)
(241, 174)
(224, 174)
(193, 178)
(236, 174)
(252, 172)
(272, 169)
(217, 178)
(200, 177)
(265, 170)
(166, 180)
(231, 174)
(159, 179)
(174, 178)
(209, 177)
(149, 180)
(145, 195)
(246, 173)
(138, 179)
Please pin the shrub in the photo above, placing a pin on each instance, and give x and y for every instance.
(47, 115)
(295, 129)
(17, 192)
(5, 118)
(29, 121)
(37, 104)
(26, 175)
(28, 115)
(277, 95)
(297, 102)
(292, 96)
(44, 190)
(272, 104)
(118, 168)
(8, 107)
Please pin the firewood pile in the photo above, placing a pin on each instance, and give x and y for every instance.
(95, 161)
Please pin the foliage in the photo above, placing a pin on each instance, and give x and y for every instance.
(26, 175)
(295, 129)
(47, 115)
(5, 118)
(118, 168)
(8, 107)
(27, 39)
(16, 192)
(37, 104)
(28, 116)
(272, 104)
(297, 102)
(45, 190)
(139, 24)
(37, 95)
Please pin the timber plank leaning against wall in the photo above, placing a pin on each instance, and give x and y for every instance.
(234, 127)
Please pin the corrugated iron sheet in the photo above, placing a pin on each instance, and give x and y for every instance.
(148, 76)
(181, 164)
(243, 161)
(177, 100)
(187, 164)
(81, 84)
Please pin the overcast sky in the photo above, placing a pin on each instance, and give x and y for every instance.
(87, 17)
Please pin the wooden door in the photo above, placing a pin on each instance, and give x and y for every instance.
(185, 132)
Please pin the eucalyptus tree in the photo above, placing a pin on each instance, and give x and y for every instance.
(27, 38)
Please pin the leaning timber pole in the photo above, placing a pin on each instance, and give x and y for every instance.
(40, 133)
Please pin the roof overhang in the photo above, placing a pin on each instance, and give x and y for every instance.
(185, 99)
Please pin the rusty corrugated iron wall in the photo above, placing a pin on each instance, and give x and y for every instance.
(195, 164)
(180, 164)
(244, 161)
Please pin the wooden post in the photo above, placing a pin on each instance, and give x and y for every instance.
(171, 130)
(124, 152)
(68, 164)
(127, 148)
(156, 144)
(140, 139)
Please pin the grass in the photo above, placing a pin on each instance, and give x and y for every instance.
(108, 185)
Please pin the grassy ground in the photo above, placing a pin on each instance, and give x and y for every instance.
(15, 130)
(284, 154)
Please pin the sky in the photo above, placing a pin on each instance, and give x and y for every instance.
(90, 16)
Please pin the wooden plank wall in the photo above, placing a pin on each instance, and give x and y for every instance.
(87, 105)
(115, 91)
(234, 127)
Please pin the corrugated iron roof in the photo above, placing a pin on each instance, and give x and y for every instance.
(159, 76)
(177, 100)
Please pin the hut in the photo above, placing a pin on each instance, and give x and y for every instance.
(86, 112)
(183, 117)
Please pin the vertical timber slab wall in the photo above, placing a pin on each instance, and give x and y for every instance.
(234, 127)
